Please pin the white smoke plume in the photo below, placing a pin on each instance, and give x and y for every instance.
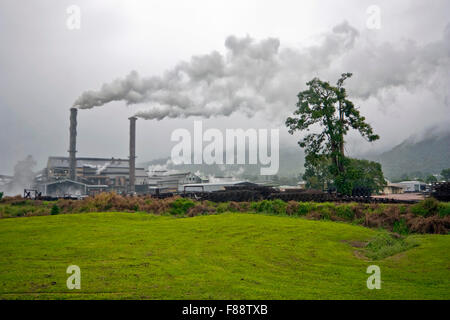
(99, 168)
(23, 177)
(162, 169)
(261, 76)
(102, 168)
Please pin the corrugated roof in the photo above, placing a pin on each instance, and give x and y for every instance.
(89, 162)
(219, 184)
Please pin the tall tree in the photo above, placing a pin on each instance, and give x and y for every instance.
(327, 107)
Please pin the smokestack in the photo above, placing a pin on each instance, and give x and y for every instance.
(132, 153)
(73, 144)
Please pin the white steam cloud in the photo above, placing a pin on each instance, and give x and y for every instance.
(261, 76)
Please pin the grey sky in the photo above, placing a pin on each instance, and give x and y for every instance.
(401, 71)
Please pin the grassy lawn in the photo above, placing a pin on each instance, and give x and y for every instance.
(226, 256)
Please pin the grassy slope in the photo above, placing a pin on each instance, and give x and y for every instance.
(228, 256)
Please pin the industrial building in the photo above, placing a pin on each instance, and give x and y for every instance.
(413, 186)
(95, 174)
(164, 181)
(81, 176)
(393, 188)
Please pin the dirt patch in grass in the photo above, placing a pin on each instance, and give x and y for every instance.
(360, 255)
(356, 244)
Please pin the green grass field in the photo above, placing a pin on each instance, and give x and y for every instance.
(226, 256)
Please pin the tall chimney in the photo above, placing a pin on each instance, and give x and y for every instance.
(73, 144)
(132, 153)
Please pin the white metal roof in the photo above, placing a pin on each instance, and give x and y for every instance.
(218, 183)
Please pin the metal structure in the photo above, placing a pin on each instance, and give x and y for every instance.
(258, 193)
(31, 194)
(73, 145)
(132, 175)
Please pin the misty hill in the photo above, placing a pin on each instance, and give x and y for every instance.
(428, 156)
(413, 158)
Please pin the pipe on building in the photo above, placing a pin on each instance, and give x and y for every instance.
(132, 166)
(73, 144)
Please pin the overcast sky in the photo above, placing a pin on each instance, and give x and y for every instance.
(401, 71)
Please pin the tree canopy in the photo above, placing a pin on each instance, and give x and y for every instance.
(326, 107)
(430, 179)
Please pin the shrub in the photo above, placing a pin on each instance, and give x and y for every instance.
(345, 211)
(222, 207)
(234, 206)
(276, 206)
(304, 208)
(200, 209)
(265, 206)
(385, 245)
(181, 206)
(433, 224)
(400, 227)
(444, 209)
(425, 208)
(279, 206)
(55, 210)
(358, 221)
(244, 206)
(292, 208)
(325, 210)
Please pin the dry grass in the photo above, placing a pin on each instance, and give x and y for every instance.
(429, 216)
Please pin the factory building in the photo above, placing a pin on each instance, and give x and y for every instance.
(80, 176)
(413, 186)
(164, 181)
(92, 175)
(393, 188)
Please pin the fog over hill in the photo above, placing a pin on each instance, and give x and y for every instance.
(427, 156)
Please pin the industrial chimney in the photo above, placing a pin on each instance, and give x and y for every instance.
(73, 144)
(132, 153)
